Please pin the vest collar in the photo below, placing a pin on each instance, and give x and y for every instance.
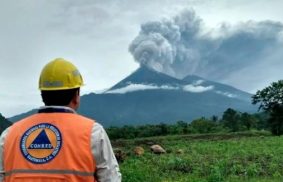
(54, 109)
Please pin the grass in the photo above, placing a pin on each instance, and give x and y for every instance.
(236, 157)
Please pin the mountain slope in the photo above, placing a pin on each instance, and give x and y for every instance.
(147, 79)
(22, 115)
(219, 87)
(4, 123)
(150, 97)
(147, 76)
(155, 106)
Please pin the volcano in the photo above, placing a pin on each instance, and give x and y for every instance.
(150, 97)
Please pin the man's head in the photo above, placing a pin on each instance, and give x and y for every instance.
(60, 83)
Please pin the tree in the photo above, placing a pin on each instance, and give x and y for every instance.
(183, 127)
(203, 125)
(249, 121)
(231, 119)
(214, 118)
(163, 129)
(270, 99)
(262, 120)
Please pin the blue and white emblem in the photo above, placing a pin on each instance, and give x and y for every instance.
(41, 143)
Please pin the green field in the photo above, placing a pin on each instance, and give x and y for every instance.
(253, 156)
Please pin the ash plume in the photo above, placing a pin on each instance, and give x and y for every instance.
(180, 46)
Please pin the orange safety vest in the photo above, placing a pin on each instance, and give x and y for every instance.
(49, 146)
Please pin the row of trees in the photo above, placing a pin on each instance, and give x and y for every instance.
(231, 121)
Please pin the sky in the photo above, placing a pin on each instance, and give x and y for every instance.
(233, 42)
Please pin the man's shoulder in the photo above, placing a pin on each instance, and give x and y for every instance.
(84, 118)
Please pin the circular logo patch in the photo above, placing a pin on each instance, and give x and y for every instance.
(41, 143)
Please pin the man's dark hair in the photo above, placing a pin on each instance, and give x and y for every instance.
(58, 97)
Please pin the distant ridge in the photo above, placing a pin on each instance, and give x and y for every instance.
(23, 115)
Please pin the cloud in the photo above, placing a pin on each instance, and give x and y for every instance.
(198, 82)
(170, 35)
(180, 45)
(197, 88)
(226, 94)
(139, 87)
(132, 87)
(156, 52)
(244, 45)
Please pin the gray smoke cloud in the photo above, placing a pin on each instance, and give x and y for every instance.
(181, 46)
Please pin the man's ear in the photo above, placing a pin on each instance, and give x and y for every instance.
(75, 102)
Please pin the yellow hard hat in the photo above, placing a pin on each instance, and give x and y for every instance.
(60, 74)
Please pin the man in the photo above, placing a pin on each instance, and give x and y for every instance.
(56, 144)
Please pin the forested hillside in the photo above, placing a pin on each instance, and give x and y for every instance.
(4, 123)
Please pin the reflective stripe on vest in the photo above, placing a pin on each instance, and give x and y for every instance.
(52, 171)
(32, 148)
